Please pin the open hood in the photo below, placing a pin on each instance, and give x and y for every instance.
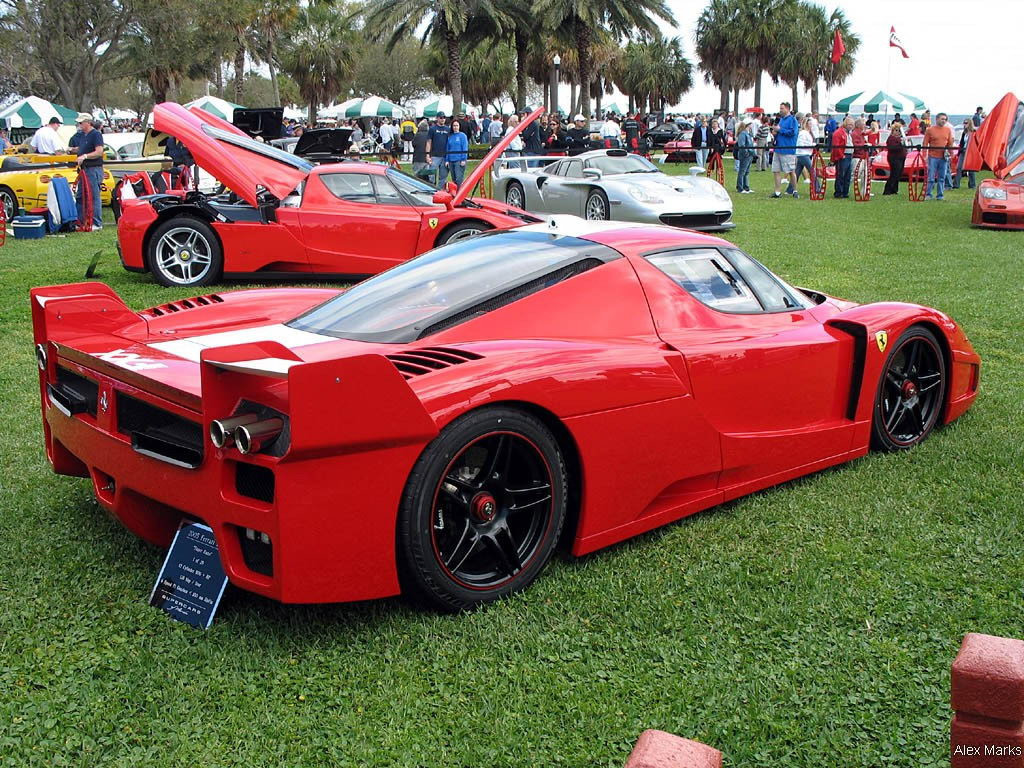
(999, 143)
(267, 122)
(248, 168)
(485, 165)
(324, 144)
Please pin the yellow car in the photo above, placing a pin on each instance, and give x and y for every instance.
(24, 185)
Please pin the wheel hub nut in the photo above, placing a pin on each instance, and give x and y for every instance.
(484, 507)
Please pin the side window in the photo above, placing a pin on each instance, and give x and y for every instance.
(574, 169)
(555, 169)
(352, 187)
(708, 276)
(774, 296)
(386, 192)
(109, 153)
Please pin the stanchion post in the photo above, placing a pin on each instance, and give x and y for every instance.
(819, 181)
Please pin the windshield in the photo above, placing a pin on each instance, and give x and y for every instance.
(609, 164)
(421, 193)
(450, 284)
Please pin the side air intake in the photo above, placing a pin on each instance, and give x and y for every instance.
(417, 362)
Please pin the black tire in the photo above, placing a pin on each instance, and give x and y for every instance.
(515, 188)
(648, 142)
(196, 244)
(10, 203)
(461, 231)
(454, 551)
(115, 200)
(597, 201)
(911, 391)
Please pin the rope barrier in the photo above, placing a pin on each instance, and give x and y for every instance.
(819, 181)
(715, 167)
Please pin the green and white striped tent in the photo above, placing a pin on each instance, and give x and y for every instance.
(33, 112)
(443, 104)
(371, 106)
(611, 109)
(881, 101)
(225, 110)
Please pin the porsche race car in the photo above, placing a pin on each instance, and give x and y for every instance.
(283, 216)
(612, 184)
(436, 429)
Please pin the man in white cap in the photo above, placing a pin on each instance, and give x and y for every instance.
(90, 160)
(578, 136)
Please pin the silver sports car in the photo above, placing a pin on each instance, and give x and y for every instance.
(613, 184)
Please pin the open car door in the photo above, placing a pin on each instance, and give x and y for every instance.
(258, 173)
(999, 143)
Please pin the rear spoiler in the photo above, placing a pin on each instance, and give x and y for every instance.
(331, 406)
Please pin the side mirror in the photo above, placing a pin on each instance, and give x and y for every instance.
(443, 197)
(451, 187)
(592, 173)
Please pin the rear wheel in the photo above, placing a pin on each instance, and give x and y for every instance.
(597, 207)
(185, 251)
(515, 195)
(9, 202)
(911, 391)
(482, 510)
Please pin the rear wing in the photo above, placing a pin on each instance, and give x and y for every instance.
(325, 407)
(521, 164)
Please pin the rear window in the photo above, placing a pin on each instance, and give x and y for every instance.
(452, 284)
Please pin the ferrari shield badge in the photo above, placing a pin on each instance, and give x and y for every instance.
(432, 222)
(882, 340)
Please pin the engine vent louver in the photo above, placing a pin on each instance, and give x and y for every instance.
(178, 306)
(416, 362)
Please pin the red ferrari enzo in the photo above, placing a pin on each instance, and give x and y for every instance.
(439, 427)
(286, 217)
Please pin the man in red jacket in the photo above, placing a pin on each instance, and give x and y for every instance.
(842, 157)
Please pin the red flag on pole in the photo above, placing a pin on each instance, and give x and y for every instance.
(838, 48)
(894, 42)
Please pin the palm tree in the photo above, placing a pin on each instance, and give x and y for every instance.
(654, 72)
(798, 57)
(582, 18)
(272, 17)
(718, 54)
(397, 19)
(486, 70)
(319, 55)
(834, 74)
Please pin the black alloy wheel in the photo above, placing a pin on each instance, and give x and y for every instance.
(911, 391)
(483, 509)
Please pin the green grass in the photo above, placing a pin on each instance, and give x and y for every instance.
(809, 625)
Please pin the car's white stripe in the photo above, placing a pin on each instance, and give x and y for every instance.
(192, 347)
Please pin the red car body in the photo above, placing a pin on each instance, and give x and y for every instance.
(663, 406)
(999, 146)
(283, 219)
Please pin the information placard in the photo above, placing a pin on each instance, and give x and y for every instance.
(192, 580)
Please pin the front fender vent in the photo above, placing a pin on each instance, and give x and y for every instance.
(416, 362)
(179, 306)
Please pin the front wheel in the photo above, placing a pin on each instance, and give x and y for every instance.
(911, 391)
(482, 510)
(184, 251)
(10, 203)
(461, 231)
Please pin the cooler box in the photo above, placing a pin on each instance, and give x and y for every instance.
(29, 227)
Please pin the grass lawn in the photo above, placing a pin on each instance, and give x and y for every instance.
(809, 625)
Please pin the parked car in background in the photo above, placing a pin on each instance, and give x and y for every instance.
(660, 135)
(612, 184)
(26, 185)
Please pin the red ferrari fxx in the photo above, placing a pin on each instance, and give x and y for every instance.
(285, 216)
(439, 427)
(999, 145)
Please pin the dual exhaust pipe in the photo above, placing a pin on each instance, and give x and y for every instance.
(246, 432)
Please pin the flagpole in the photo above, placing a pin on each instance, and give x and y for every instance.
(888, 81)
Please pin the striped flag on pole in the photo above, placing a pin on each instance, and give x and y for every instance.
(894, 42)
